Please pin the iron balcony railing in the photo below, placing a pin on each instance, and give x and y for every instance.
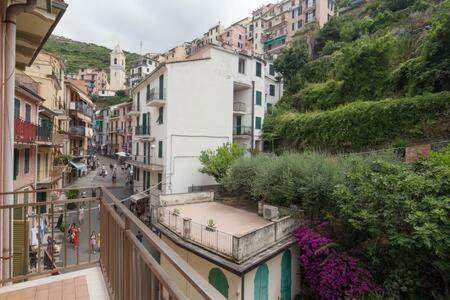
(82, 108)
(242, 130)
(156, 94)
(44, 134)
(141, 130)
(24, 131)
(128, 265)
(53, 173)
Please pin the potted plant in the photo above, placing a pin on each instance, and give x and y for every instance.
(211, 226)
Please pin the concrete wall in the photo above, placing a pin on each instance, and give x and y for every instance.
(186, 198)
(246, 245)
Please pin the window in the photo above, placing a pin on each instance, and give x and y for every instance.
(258, 98)
(161, 116)
(137, 149)
(269, 107)
(293, 26)
(228, 34)
(241, 66)
(160, 181)
(299, 11)
(299, 24)
(240, 37)
(16, 163)
(272, 90)
(310, 16)
(258, 69)
(160, 149)
(28, 112)
(16, 108)
(271, 70)
(258, 124)
(148, 92)
(330, 5)
(293, 13)
(26, 168)
(138, 101)
(310, 3)
(115, 61)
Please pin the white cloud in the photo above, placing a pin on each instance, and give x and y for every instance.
(159, 24)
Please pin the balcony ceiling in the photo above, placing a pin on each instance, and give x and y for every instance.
(33, 30)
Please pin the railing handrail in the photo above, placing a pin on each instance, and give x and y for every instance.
(188, 272)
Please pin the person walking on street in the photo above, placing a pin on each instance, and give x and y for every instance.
(114, 175)
(76, 237)
(93, 241)
(81, 215)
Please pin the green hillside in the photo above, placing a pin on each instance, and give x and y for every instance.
(82, 55)
(374, 78)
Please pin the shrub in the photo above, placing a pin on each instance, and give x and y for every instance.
(329, 273)
(361, 124)
(292, 59)
(216, 162)
(318, 96)
(72, 194)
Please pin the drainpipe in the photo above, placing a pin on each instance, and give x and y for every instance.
(253, 117)
(8, 131)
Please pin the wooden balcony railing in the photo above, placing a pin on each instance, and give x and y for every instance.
(24, 131)
(129, 269)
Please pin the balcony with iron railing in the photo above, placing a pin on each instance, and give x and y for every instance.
(242, 131)
(44, 134)
(81, 131)
(156, 97)
(83, 108)
(24, 131)
(130, 268)
(142, 130)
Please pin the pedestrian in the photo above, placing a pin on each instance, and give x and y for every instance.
(103, 171)
(60, 221)
(93, 241)
(76, 237)
(114, 176)
(139, 236)
(81, 215)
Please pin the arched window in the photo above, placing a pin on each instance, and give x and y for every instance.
(115, 61)
(261, 283)
(218, 280)
(286, 269)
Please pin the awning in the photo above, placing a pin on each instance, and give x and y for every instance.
(139, 196)
(121, 154)
(273, 41)
(78, 165)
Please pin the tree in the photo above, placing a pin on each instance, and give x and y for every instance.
(217, 162)
(292, 60)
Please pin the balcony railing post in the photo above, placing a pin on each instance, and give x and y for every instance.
(187, 228)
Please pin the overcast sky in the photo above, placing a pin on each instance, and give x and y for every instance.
(159, 24)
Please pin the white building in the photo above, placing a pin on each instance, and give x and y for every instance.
(185, 107)
(141, 68)
(117, 69)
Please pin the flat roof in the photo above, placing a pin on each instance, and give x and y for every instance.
(228, 219)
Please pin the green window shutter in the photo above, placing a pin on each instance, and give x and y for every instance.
(258, 69)
(258, 98)
(161, 116)
(26, 168)
(272, 90)
(258, 124)
(137, 148)
(261, 283)
(218, 280)
(16, 163)
(160, 149)
(286, 277)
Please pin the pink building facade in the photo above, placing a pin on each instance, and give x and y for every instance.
(234, 38)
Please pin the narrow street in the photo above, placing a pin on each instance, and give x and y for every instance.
(120, 190)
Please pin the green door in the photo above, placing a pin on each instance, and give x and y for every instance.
(218, 280)
(286, 268)
(261, 283)
(238, 125)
